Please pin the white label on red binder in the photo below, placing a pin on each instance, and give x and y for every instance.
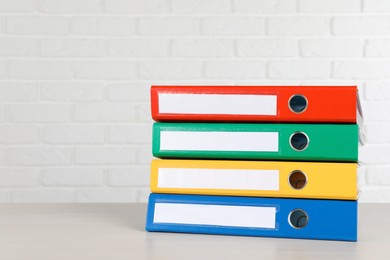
(219, 141)
(220, 215)
(225, 104)
(232, 179)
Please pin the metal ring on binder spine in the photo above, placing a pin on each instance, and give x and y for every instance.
(298, 103)
(298, 218)
(297, 183)
(299, 147)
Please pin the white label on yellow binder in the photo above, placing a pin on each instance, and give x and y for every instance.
(217, 104)
(219, 141)
(220, 215)
(232, 179)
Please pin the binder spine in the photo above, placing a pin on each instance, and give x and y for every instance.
(289, 218)
(301, 142)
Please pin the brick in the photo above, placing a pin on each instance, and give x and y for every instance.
(136, 6)
(2, 67)
(20, 6)
(329, 6)
(37, 25)
(235, 69)
(377, 133)
(168, 26)
(39, 156)
(54, 195)
(376, 111)
(144, 154)
(374, 154)
(72, 91)
(332, 48)
(73, 134)
(133, 134)
(148, 48)
(103, 26)
(2, 155)
(42, 113)
(22, 47)
(368, 69)
(142, 195)
(129, 91)
(143, 113)
(267, 48)
(18, 91)
(124, 195)
(104, 112)
(38, 69)
(204, 7)
(100, 155)
(298, 26)
(376, 6)
(233, 26)
(378, 176)
(73, 177)
(73, 48)
(332, 82)
(70, 6)
(361, 25)
(104, 69)
(377, 90)
(264, 6)
(371, 194)
(268, 82)
(19, 177)
(13, 134)
(166, 70)
(377, 48)
(3, 115)
(129, 176)
(299, 69)
(202, 48)
(361, 176)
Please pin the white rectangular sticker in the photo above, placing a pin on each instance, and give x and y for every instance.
(221, 104)
(219, 141)
(232, 179)
(218, 215)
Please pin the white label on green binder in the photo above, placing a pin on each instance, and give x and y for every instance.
(226, 104)
(218, 215)
(232, 179)
(219, 141)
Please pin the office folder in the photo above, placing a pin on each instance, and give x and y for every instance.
(255, 178)
(301, 142)
(320, 104)
(247, 216)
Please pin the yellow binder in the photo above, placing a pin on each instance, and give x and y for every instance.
(256, 178)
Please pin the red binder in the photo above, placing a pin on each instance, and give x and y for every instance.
(321, 104)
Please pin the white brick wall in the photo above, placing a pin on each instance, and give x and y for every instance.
(75, 121)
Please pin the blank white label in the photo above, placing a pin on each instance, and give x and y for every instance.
(219, 141)
(218, 215)
(225, 104)
(233, 179)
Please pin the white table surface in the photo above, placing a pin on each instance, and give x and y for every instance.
(116, 231)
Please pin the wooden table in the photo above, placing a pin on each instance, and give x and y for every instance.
(116, 231)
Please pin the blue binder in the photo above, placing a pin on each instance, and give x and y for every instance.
(253, 216)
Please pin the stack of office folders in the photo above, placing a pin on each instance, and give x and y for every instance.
(276, 161)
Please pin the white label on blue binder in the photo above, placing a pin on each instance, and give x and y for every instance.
(219, 141)
(225, 104)
(232, 179)
(219, 215)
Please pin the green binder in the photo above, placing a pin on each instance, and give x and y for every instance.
(298, 142)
